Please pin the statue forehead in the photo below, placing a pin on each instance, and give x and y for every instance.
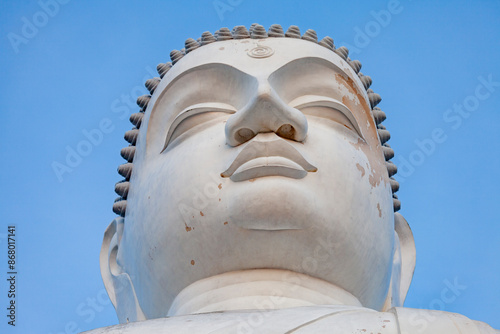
(257, 58)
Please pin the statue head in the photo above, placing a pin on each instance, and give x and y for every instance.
(256, 150)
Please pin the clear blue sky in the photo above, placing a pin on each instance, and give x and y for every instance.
(69, 72)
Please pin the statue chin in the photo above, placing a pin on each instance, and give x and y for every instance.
(272, 204)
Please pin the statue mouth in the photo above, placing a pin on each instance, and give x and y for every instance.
(268, 158)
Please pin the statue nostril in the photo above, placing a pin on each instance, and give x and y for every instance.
(243, 135)
(286, 131)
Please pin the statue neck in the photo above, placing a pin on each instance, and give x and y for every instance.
(261, 289)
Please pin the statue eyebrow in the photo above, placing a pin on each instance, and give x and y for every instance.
(305, 62)
(195, 110)
(198, 68)
(324, 101)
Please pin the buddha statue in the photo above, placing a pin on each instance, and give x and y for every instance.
(258, 197)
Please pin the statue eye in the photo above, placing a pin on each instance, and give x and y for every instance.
(186, 119)
(325, 107)
(330, 114)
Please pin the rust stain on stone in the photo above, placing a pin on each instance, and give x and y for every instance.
(187, 228)
(360, 105)
(349, 103)
(359, 144)
(201, 213)
(192, 262)
(219, 199)
(220, 186)
(374, 178)
(361, 169)
(379, 210)
(225, 223)
(251, 180)
(351, 86)
(377, 170)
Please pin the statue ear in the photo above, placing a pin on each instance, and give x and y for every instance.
(403, 264)
(408, 254)
(117, 282)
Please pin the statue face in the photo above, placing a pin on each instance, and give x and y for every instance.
(258, 154)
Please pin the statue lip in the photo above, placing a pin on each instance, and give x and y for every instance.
(268, 158)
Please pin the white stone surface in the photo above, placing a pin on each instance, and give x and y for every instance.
(315, 200)
(311, 319)
(258, 288)
(260, 193)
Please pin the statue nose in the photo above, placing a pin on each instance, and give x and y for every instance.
(265, 112)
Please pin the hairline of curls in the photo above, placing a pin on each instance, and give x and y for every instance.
(255, 31)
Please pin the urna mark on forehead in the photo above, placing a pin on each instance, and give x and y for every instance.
(256, 34)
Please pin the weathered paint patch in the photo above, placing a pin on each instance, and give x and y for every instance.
(379, 210)
(375, 157)
(361, 169)
(374, 179)
(359, 101)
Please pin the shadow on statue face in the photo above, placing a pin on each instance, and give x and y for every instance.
(254, 162)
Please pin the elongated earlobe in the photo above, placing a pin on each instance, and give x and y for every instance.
(408, 254)
(117, 282)
(403, 263)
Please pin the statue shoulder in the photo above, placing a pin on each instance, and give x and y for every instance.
(429, 322)
(306, 319)
(309, 319)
